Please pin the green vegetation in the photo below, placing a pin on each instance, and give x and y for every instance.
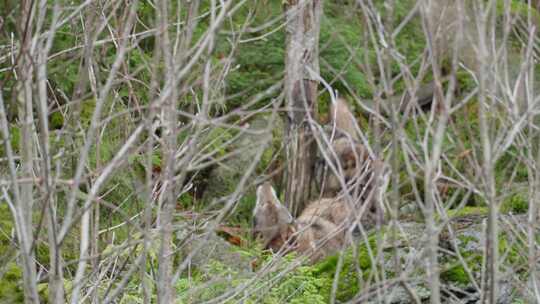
(252, 65)
(516, 203)
(10, 284)
(303, 284)
(467, 210)
(519, 8)
(15, 137)
(456, 274)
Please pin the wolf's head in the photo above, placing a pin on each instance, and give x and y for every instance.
(271, 220)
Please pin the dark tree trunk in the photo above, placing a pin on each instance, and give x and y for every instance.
(302, 70)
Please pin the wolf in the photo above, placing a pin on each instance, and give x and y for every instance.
(348, 169)
(319, 231)
(346, 155)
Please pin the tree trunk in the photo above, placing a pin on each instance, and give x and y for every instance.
(165, 292)
(302, 70)
(26, 121)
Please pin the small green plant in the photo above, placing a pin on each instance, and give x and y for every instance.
(56, 120)
(14, 137)
(455, 274)
(517, 203)
(454, 271)
(11, 285)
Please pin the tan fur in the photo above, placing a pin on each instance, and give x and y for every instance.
(356, 167)
(352, 157)
(333, 210)
(318, 231)
(343, 118)
(317, 238)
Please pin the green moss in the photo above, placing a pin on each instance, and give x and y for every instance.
(512, 251)
(218, 139)
(11, 285)
(43, 292)
(510, 165)
(87, 111)
(186, 200)
(519, 8)
(303, 284)
(56, 120)
(465, 239)
(15, 134)
(453, 270)
(266, 159)
(348, 283)
(131, 299)
(456, 274)
(14, 137)
(516, 203)
(6, 224)
(42, 254)
(466, 82)
(467, 211)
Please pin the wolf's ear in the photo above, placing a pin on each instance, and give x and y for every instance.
(266, 194)
(261, 205)
(284, 215)
(342, 117)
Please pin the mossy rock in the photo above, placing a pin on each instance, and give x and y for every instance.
(454, 272)
(348, 283)
(223, 180)
(209, 283)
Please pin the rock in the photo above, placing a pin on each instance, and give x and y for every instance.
(399, 295)
(209, 247)
(409, 208)
(224, 178)
(468, 235)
